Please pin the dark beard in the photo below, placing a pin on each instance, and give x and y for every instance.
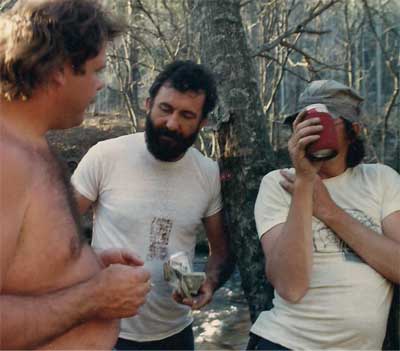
(163, 149)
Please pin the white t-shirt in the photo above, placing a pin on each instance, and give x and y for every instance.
(347, 304)
(153, 208)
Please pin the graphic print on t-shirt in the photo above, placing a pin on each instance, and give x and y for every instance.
(160, 231)
(325, 239)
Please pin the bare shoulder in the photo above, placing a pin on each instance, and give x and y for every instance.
(16, 165)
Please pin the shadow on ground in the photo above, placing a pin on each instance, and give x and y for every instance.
(224, 324)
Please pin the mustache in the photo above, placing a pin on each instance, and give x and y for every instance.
(170, 134)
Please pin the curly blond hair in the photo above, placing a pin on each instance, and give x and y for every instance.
(39, 36)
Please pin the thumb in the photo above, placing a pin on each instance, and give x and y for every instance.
(131, 259)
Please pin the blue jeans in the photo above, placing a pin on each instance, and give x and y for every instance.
(184, 340)
(258, 343)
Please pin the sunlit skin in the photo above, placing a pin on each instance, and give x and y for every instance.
(77, 91)
(59, 103)
(56, 292)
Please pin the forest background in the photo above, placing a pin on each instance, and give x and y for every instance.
(263, 53)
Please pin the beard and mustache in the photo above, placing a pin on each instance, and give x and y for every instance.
(167, 145)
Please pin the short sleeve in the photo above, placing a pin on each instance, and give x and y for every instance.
(390, 180)
(272, 203)
(215, 203)
(87, 177)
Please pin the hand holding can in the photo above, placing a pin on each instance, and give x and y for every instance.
(326, 147)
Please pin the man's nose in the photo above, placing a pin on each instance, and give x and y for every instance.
(100, 85)
(173, 122)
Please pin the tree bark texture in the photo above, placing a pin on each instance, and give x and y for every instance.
(245, 156)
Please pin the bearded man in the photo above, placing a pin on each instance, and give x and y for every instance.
(150, 192)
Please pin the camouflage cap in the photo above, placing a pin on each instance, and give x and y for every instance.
(341, 100)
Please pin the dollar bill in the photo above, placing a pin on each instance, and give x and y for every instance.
(178, 272)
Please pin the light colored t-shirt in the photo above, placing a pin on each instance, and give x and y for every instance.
(153, 208)
(347, 304)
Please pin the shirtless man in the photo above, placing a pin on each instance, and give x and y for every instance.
(56, 293)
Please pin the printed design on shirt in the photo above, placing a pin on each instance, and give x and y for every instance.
(325, 240)
(160, 231)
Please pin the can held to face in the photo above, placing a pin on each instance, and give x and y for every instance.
(326, 147)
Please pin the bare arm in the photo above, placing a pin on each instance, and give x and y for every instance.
(28, 321)
(381, 252)
(288, 247)
(220, 263)
(83, 203)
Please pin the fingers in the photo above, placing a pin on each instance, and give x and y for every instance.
(288, 186)
(290, 176)
(204, 297)
(140, 287)
(141, 274)
(200, 301)
(188, 302)
(287, 182)
(182, 300)
(140, 293)
(120, 256)
(298, 119)
(305, 131)
(195, 303)
(122, 290)
(177, 296)
(130, 258)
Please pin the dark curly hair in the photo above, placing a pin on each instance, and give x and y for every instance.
(39, 36)
(356, 150)
(188, 76)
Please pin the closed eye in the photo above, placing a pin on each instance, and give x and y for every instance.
(101, 73)
(165, 108)
(189, 115)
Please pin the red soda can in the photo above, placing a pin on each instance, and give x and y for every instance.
(326, 147)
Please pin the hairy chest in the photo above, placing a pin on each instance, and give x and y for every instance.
(50, 253)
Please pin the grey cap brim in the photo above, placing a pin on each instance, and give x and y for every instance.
(334, 111)
(340, 100)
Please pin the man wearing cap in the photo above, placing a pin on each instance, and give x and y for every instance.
(330, 234)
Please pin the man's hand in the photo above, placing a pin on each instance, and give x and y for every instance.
(120, 256)
(322, 201)
(304, 133)
(120, 290)
(201, 299)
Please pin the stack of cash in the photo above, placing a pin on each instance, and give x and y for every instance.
(178, 272)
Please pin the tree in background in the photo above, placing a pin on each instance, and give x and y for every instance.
(295, 38)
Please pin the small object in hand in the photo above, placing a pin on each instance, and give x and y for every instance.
(180, 261)
(326, 147)
(194, 281)
(178, 272)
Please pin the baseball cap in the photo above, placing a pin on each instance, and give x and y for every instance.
(341, 100)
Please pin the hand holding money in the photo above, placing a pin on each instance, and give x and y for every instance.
(178, 272)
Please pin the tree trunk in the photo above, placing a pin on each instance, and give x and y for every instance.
(245, 155)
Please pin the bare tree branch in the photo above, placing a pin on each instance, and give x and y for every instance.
(296, 29)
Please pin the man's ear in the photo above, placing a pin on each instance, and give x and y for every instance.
(148, 105)
(58, 77)
(357, 128)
